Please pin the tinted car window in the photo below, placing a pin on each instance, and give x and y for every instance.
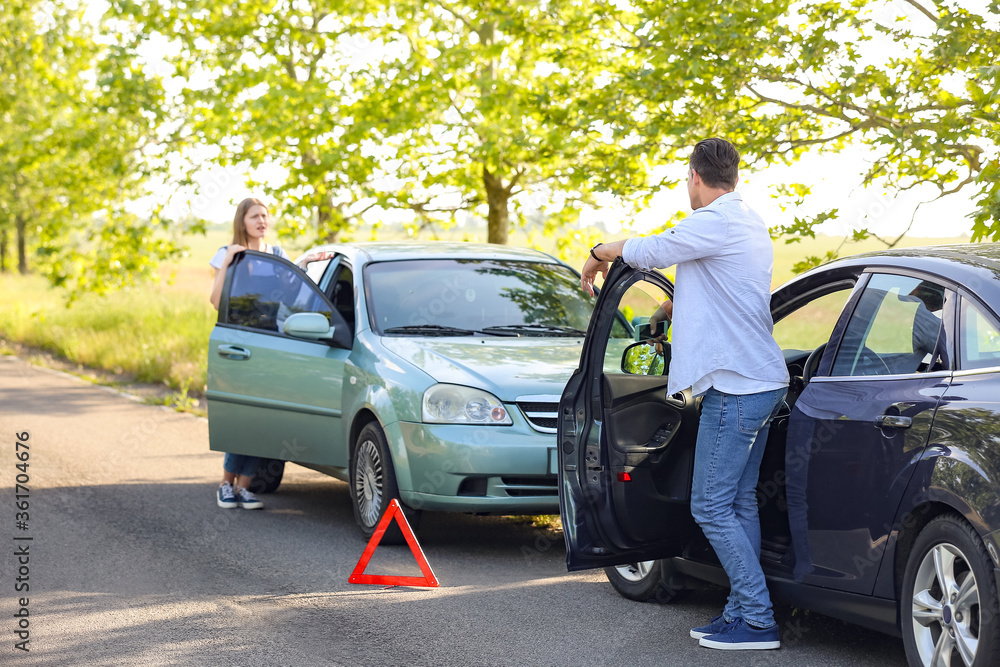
(265, 291)
(453, 295)
(342, 294)
(980, 338)
(895, 329)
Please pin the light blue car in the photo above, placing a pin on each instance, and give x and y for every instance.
(427, 372)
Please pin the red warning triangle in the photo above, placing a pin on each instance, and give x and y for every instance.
(359, 577)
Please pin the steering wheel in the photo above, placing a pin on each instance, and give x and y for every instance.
(812, 363)
(868, 356)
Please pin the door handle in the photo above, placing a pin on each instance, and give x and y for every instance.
(233, 352)
(677, 400)
(893, 421)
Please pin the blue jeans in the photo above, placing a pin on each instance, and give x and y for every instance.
(732, 434)
(238, 464)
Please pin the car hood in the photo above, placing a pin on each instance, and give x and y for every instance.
(506, 367)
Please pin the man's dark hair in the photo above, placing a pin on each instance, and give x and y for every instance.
(717, 162)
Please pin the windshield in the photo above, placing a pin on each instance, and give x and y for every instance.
(476, 296)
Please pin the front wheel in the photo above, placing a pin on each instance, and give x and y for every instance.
(948, 607)
(373, 484)
(647, 580)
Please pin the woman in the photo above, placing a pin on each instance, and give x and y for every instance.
(250, 225)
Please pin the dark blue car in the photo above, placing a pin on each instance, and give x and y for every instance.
(878, 494)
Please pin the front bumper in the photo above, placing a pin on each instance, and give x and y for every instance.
(464, 468)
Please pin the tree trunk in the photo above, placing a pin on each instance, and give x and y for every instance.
(22, 257)
(329, 220)
(3, 250)
(498, 219)
(497, 196)
(323, 229)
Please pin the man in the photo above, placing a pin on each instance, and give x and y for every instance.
(724, 351)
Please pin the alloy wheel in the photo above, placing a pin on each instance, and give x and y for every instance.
(635, 571)
(945, 608)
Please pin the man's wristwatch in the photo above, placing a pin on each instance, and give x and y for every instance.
(594, 255)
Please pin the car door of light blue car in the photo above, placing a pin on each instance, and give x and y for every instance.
(270, 394)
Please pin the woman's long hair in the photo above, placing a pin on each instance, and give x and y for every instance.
(239, 229)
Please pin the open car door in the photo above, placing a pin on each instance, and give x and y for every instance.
(626, 447)
(275, 386)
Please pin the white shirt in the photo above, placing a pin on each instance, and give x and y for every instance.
(216, 261)
(722, 327)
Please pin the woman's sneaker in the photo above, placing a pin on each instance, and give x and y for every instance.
(740, 636)
(247, 500)
(225, 496)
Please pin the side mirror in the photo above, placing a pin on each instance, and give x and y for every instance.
(311, 326)
(643, 359)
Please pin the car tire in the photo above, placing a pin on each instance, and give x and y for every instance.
(651, 580)
(373, 485)
(267, 479)
(949, 554)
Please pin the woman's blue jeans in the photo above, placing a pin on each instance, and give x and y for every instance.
(732, 434)
(239, 464)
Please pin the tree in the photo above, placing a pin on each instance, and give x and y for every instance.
(428, 107)
(480, 104)
(72, 143)
(444, 106)
(263, 83)
(920, 88)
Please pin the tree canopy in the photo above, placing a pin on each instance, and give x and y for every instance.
(432, 108)
(73, 142)
(504, 111)
(914, 81)
(497, 108)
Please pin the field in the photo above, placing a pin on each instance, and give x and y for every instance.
(158, 333)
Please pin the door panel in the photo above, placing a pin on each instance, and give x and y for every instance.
(855, 435)
(652, 439)
(270, 394)
(845, 475)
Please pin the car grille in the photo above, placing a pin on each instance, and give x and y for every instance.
(512, 487)
(530, 486)
(542, 412)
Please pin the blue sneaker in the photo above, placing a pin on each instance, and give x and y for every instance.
(225, 496)
(247, 500)
(739, 636)
(717, 625)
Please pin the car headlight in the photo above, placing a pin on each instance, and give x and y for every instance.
(454, 404)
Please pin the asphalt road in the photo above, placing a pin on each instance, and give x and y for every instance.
(130, 562)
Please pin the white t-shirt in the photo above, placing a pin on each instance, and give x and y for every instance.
(216, 261)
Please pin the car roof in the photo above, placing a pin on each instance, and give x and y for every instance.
(370, 251)
(974, 266)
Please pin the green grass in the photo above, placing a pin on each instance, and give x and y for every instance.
(150, 334)
(159, 333)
